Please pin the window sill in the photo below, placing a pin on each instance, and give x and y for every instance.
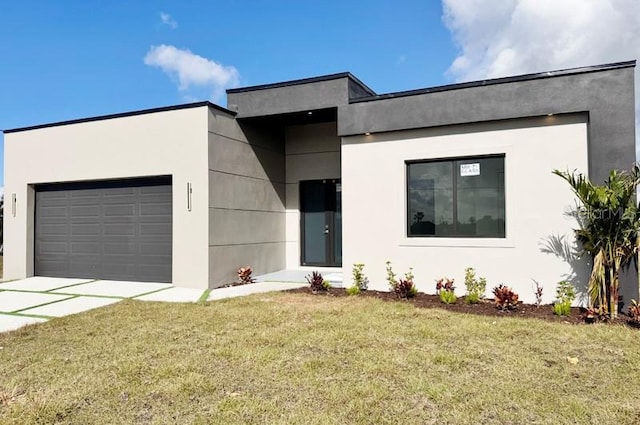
(458, 242)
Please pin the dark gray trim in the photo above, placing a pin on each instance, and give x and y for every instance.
(493, 81)
(304, 81)
(107, 183)
(124, 114)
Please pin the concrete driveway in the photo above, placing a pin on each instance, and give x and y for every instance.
(38, 299)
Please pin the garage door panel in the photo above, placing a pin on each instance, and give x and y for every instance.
(105, 230)
(119, 229)
(57, 267)
(119, 210)
(56, 212)
(119, 259)
(53, 230)
(120, 248)
(155, 249)
(155, 229)
(53, 248)
(155, 209)
(85, 248)
(85, 229)
(155, 271)
(81, 211)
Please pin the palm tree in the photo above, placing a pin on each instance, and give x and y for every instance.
(608, 222)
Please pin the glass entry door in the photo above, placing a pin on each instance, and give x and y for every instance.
(321, 222)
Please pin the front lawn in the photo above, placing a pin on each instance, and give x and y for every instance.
(302, 359)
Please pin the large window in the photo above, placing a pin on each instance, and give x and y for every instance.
(460, 197)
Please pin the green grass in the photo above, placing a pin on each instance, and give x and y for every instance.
(302, 359)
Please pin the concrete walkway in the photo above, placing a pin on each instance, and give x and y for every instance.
(38, 299)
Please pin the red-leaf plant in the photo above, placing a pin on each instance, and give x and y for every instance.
(244, 275)
(505, 297)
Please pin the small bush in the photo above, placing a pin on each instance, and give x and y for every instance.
(448, 297)
(472, 298)
(403, 288)
(475, 286)
(360, 281)
(446, 290)
(593, 314)
(561, 309)
(317, 283)
(565, 294)
(244, 275)
(353, 290)
(505, 297)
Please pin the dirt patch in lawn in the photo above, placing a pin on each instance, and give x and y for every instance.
(483, 308)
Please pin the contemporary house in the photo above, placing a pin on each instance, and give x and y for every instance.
(322, 172)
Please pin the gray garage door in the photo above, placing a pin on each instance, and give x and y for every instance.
(118, 230)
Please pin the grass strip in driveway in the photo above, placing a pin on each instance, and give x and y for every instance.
(69, 294)
(35, 316)
(150, 292)
(71, 286)
(47, 303)
(283, 358)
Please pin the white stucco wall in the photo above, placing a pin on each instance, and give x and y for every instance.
(374, 204)
(162, 143)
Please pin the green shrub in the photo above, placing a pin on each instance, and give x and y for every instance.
(562, 309)
(360, 281)
(476, 287)
(353, 290)
(472, 298)
(565, 294)
(446, 290)
(403, 288)
(448, 297)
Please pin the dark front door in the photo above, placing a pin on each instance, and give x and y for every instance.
(321, 222)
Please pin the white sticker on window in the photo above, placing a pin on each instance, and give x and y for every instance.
(470, 169)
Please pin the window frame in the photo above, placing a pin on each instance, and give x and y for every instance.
(454, 176)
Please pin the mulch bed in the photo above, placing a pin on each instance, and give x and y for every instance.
(483, 308)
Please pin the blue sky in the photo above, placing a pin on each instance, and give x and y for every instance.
(73, 59)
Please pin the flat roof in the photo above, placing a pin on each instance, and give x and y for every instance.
(123, 114)
(494, 81)
(311, 80)
(373, 96)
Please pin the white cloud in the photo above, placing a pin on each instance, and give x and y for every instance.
(168, 20)
(193, 72)
(511, 37)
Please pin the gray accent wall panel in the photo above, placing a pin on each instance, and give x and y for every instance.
(260, 195)
(235, 157)
(293, 98)
(246, 199)
(119, 230)
(234, 227)
(225, 260)
(606, 95)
